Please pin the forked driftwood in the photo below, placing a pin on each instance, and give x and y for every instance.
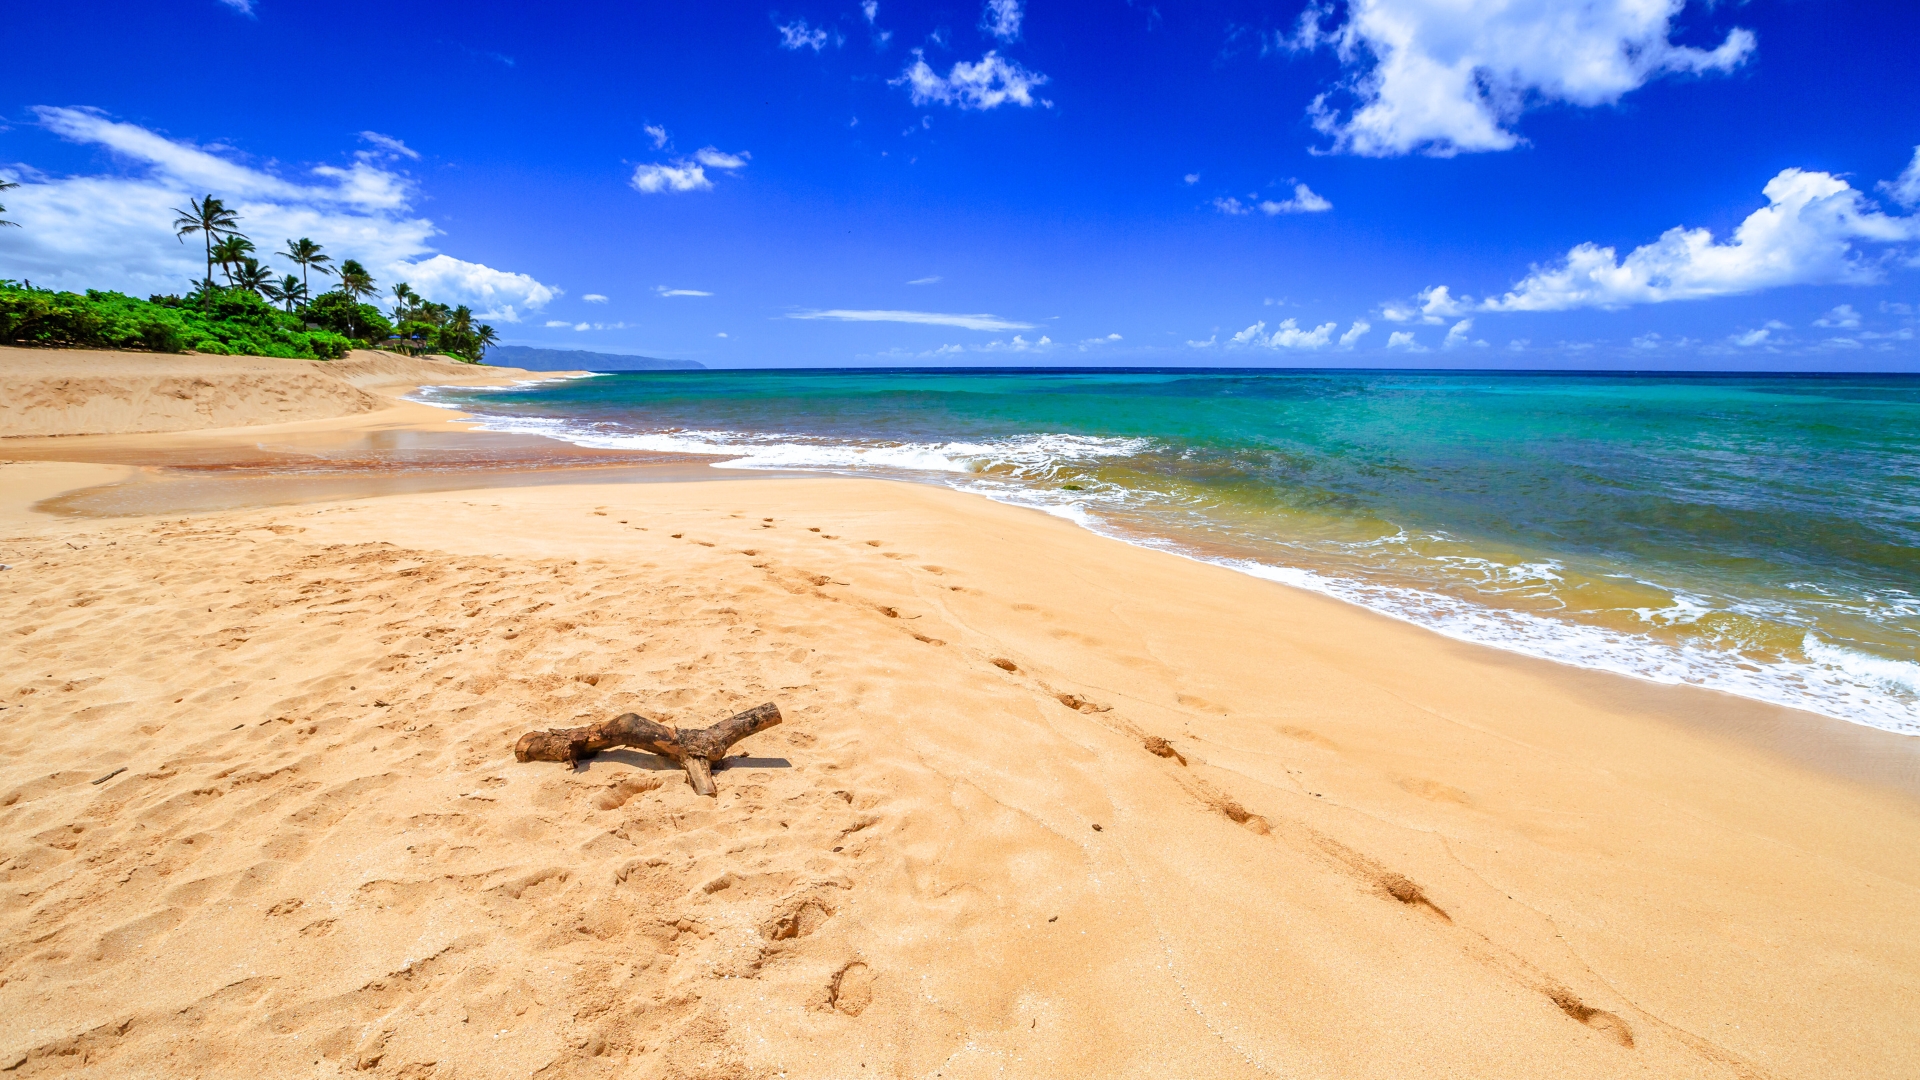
(696, 751)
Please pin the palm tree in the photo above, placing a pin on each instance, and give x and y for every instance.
(5, 185)
(306, 254)
(355, 281)
(211, 219)
(288, 290)
(403, 298)
(355, 284)
(251, 276)
(228, 253)
(485, 338)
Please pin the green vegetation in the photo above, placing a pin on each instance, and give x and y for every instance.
(226, 321)
(239, 317)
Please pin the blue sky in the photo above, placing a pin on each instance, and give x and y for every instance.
(1382, 182)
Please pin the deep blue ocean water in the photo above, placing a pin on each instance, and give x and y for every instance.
(1759, 534)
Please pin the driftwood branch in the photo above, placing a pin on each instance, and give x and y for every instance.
(696, 751)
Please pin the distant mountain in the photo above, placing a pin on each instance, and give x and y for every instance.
(523, 356)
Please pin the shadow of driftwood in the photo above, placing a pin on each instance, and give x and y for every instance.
(655, 763)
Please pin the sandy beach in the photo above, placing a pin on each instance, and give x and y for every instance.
(1043, 804)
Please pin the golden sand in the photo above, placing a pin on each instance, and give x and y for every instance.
(1044, 805)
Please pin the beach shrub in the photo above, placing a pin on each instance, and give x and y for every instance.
(221, 322)
(337, 313)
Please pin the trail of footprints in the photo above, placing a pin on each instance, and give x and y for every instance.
(431, 664)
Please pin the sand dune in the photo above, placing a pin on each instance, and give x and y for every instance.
(84, 392)
(1091, 811)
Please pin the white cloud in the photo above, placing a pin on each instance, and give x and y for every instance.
(244, 7)
(1842, 317)
(925, 318)
(1905, 188)
(1436, 305)
(684, 175)
(930, 280)
(500, 294)
(1403, 339)
(1805, 235)
(1018, 344)
(1447, 77)
(1354, 332)
(594, 298)
(584, 326)
(679, 176)
(718, 159)
(1002, 19)
(1231, 205)
(390, 144)
(664, 291)
(114, 231)
(1288, 335)
(1207, 344)
(798, 35)
(870, 9)
(1192, 178)
(1304, 201)
(1751, 338)
(1457, 335)
(658, 134)
(990, 82)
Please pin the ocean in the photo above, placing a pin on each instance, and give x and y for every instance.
(1755, 534)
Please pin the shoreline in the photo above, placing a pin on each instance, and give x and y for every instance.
(1832, 685)
(1373, 851)
(457, 451)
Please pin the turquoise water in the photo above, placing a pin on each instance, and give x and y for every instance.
(1755, 534)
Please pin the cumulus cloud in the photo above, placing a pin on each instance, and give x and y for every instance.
(1304, 201)
(664, 291)
(1192, 178)
(244, 7)
(114, 231)
(1002, 19)
(798, 35)
(684, 174)
(679, 176)
(1018, 344)
(1352, 337)
(988, 83)
(1905, 188)
(658, 134)
(1403, 339)
(1231, 205)
(925, 318)
(1446, 78)
(594, 298)
(1807, 234)
(1288, 335)
(1457, 334)
(1842, 317)
(499, 292)
(718, 159)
